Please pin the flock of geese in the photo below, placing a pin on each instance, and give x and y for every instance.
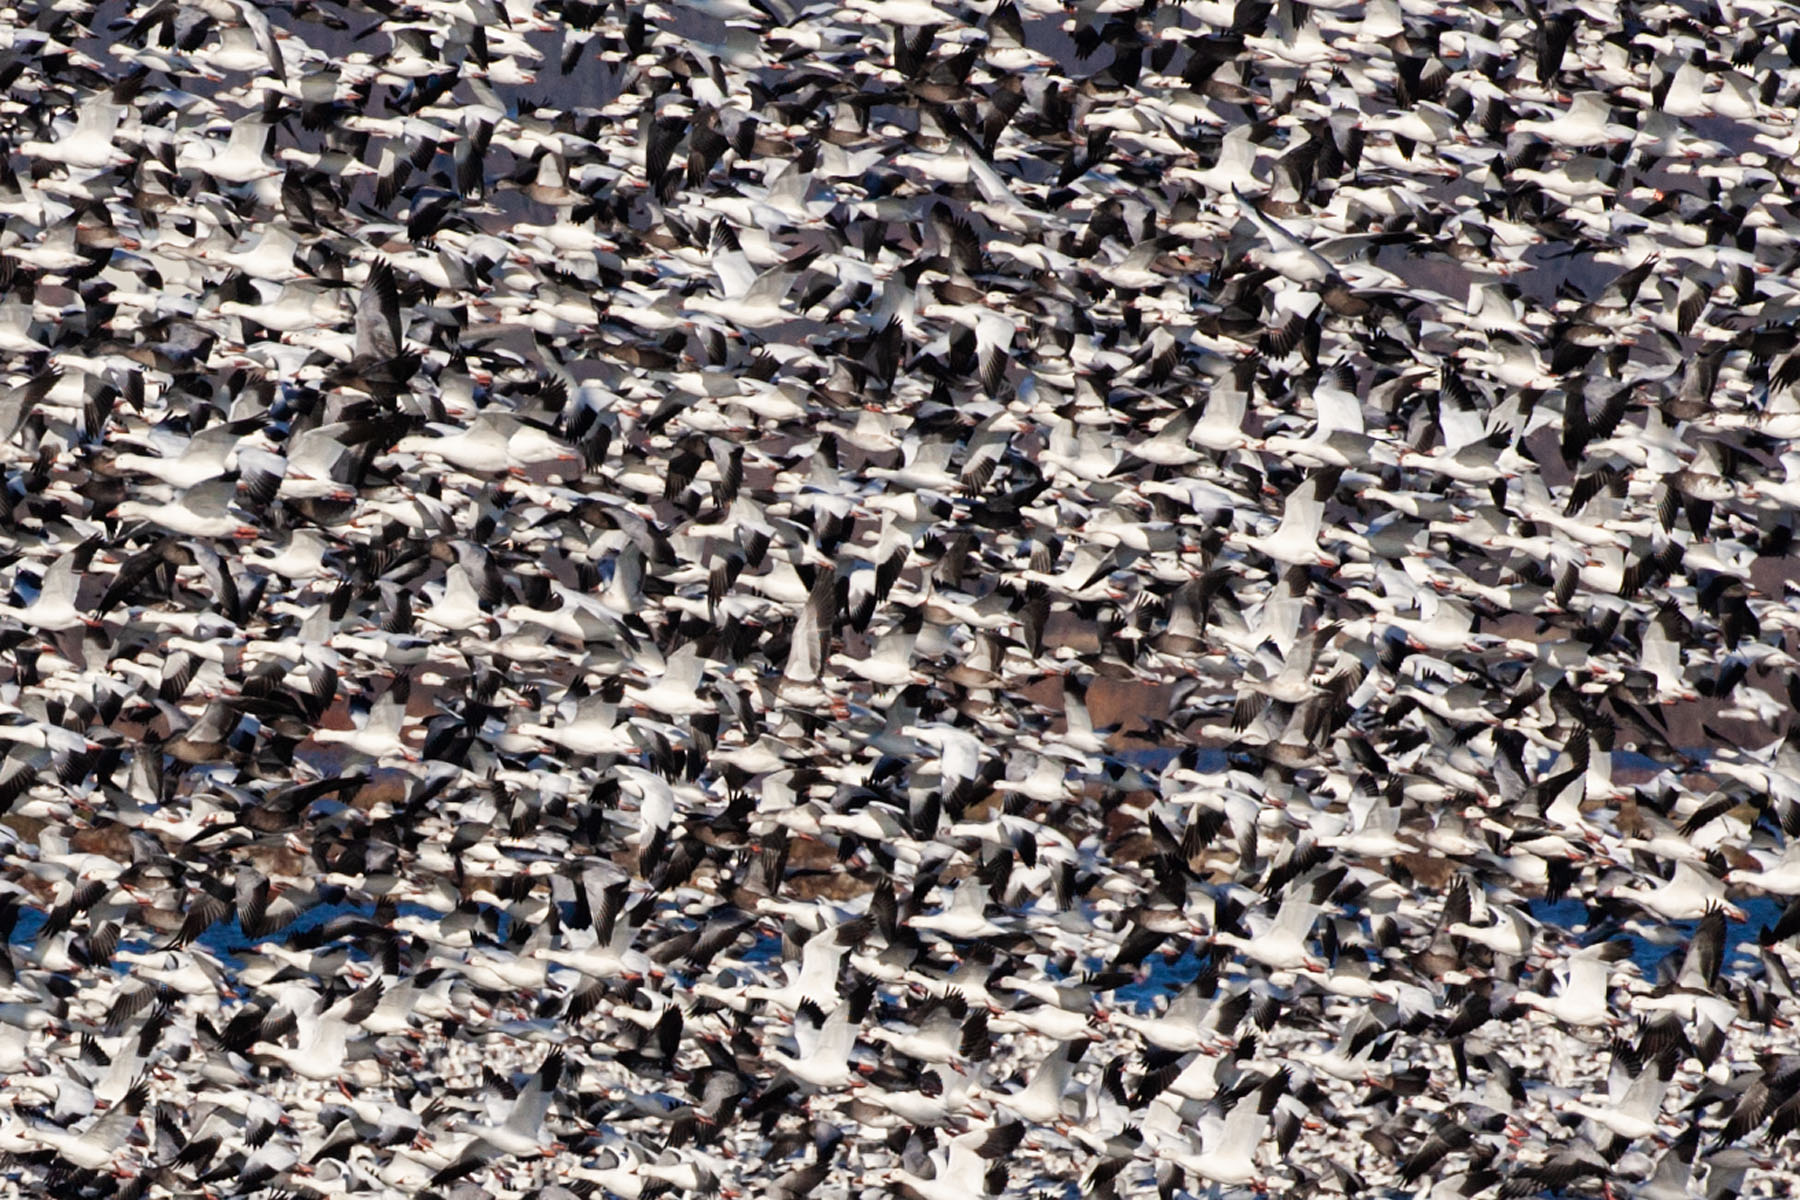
(785, 599)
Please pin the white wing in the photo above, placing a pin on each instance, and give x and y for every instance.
(812, 632)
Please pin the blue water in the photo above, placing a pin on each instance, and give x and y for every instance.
(764, 951)
(1568, 913)
(226, 941)
(1163, 978)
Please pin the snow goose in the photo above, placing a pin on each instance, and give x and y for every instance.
(90, 144)
(1632, 1106)
(593, 727)
(380, 733)
(747, 300)
(1509, 933)
(962, 1168)
(1199, 1017)
(202, 511)
(206, 455)
(1583, 999)
(54, 607)
(1041, 1100)
(323, 1029)
(823, 1044)
(1226, 1154)
(97, 1146)
(519, 1132)
(1687, 895)
(1296, 539)
(1281, 943)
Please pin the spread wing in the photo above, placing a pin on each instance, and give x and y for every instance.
(378, 315)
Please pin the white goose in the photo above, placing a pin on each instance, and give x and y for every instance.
(1296, 539)
(1632, 1106)
(206, 455)
(1583, 1000)
(96, 1147)
(961, 1168)
(323, 1031)
(1041, 1100)
(1779, 875)
(1687, 895)
(378, 735)
(1281, 944)
(1509, 933)
(823, 1044)
(54, 608)
(457, 607)
(676, 692)
(520, 1131)
(1226, 1154)
(813, 979)
(593, 728)
(88, 146)
(201, 511)
(1191, 1021)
